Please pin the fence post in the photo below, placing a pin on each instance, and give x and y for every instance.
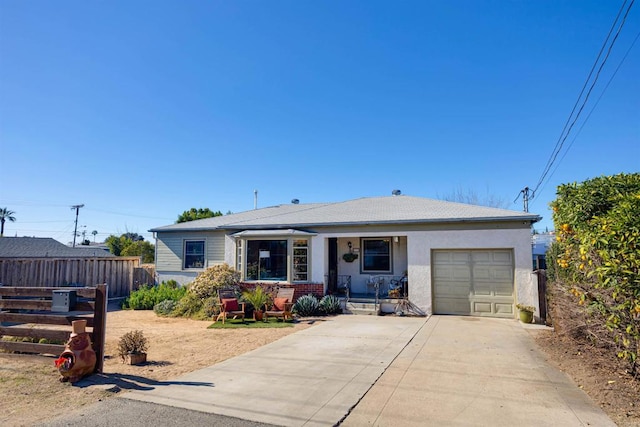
(542, 294)
(100, 325)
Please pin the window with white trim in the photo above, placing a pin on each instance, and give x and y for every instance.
(300, 260)
(239, 255)
(376, 255)
(194, 254)
(278, 259)
(267, 260)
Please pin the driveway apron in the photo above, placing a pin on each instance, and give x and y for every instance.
(464, 371)
(311, 378)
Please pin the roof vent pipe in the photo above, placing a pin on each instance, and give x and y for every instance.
(396, 192)
(255, 199)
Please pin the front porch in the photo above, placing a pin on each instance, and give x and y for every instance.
(368, 266)
(384, 295)
(376, 287)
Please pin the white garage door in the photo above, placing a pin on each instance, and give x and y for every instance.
(473, 282)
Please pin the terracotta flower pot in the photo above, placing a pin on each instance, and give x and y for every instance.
(258, 315)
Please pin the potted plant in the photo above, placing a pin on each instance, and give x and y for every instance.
(350, 257)
(526, 312)
(132, 348)
(257, 297)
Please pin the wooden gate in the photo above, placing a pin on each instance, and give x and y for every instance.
(24, 311)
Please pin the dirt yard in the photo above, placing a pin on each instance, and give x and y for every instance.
(604, 379)
(31, 391)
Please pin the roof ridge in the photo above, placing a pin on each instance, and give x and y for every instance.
(311, 207)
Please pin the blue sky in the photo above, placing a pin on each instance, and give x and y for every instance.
(141, 110)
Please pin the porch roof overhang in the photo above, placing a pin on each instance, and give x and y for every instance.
(272, 233)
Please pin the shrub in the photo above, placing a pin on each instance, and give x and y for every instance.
(597, 226)
(306, 305)
(165, 307)
(330, 304)
(133, 342)
(189, 306)
(172, 284)
(210, 308)
(207, 283)
(147, 296)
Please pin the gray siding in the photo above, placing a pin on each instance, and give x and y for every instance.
(170, 248)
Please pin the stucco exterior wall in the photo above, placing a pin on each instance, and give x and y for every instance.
(413, 250)
(421, 243)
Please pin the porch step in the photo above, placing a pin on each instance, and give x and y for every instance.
(361, 308)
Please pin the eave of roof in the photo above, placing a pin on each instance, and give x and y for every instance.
(358, 212)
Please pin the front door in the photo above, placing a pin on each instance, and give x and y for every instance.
(333, 266)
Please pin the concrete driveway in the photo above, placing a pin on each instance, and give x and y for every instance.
(368, 370)
(463, 371)
(311, 378)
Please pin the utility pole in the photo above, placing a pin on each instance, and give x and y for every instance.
(75, 230)
(525, 198)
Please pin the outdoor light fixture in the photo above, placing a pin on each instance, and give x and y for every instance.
(350, 245)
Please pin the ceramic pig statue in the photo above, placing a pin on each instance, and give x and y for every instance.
(78, 358)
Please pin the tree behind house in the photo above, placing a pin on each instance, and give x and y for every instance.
(131, 244)
(5, 215)
(471, 197)
(193, 214)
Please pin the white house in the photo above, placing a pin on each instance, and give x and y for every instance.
(458, 258)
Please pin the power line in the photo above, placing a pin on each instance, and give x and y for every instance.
(592, 109)
(570, 123)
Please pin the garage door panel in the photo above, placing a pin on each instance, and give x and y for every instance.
(449, 258)
(504, 308)
(503, 290)
(502, 257)
(453, 290)
(482, 307)
(452, 272)
(503, 273)
(480, 273)
(482, 290)
(474, 282)
(484, 257)
(453, 306)
(460, 257)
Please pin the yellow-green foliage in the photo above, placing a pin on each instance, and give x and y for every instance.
(597, 252)
(207, 283)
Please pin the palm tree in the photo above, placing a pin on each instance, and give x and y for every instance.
(5, 215)
(94, 232)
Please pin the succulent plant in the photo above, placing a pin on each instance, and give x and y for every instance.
(306, 305)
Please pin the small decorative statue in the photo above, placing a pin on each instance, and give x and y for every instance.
(78, 358)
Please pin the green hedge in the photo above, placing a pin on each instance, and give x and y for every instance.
(597, 254)
(147, 296)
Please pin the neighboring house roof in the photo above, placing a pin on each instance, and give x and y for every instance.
(542, 242)
(364, 211)
(44, 247)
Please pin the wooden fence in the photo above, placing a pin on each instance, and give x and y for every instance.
(118, 272)
(28, 309)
